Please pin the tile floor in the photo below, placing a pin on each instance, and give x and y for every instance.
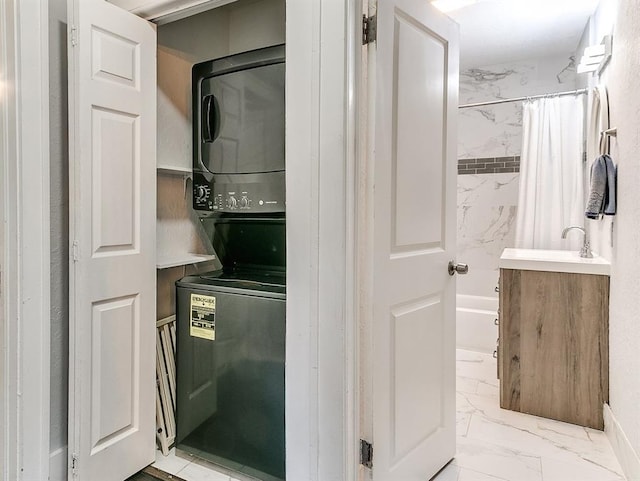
(186, 469)
(493, 444)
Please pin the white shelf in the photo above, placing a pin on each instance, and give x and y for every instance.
(174, 170)
(184, 260)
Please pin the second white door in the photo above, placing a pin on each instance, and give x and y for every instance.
(414, 238)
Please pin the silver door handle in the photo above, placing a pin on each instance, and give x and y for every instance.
(459, 268)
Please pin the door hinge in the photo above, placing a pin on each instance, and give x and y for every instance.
(74, 465)
(76, 255)
(366, 454)
(369, 29)
(74, 36)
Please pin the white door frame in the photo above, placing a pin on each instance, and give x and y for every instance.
(322, 430)
(24, 100)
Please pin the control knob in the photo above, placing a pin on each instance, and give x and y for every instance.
(202, 193)
(232, 202)
(244, 202)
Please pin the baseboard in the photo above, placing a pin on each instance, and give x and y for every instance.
(58, 464)
(625, 453)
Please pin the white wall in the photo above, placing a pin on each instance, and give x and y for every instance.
(487, 203)
(59, 192)
(7, 150)
(255, 24)
(624, 324)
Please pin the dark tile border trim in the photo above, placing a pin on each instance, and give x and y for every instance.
(489, 165)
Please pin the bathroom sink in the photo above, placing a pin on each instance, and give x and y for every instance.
(553, 261)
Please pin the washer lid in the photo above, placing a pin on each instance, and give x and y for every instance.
(257, 283)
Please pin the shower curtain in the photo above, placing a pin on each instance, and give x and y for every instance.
(551, 193)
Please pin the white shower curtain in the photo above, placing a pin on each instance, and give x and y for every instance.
(551, 173)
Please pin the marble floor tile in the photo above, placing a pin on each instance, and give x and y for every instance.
(555, 470)
(488, 389)
(455, 473)
(465, 384)
(489, 408)
(171, 464)
(196, 472)
(476, 366)
(535, 435)
(469, 475)
(486, 405)
(531, 440)
(497, 461)
(566, 452)
(449, 473)
(462, 423)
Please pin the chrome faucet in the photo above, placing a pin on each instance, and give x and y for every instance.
(586, 247)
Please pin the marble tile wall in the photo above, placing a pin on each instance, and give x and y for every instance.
(496, 130)
(486, 225)
(487, 202)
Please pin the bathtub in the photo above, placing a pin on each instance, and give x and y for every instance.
(475, 323)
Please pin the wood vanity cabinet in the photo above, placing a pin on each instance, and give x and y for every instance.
(554, 348)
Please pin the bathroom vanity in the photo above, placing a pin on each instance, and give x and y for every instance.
(553, 347)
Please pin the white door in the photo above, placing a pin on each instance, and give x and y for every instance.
(112, 119)
(416, 100)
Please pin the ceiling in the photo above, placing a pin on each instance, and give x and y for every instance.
(500, 31)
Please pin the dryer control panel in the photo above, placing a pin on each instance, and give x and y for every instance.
(245, 197)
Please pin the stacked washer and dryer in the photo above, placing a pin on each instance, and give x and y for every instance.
(231, 322)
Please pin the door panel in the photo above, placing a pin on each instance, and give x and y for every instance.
(418, 130)
(116, 161)
(418, 409)
(114, 390)
(112, 91)
(416, 72)
(114, 58)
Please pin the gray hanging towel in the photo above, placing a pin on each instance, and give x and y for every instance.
(602, 195)
(612, 180)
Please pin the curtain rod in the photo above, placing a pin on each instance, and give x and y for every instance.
(518, 99)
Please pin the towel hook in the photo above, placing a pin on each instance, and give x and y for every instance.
(604, 139)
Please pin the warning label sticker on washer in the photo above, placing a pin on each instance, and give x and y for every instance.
(203, 317)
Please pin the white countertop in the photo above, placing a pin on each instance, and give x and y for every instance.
(553, 261)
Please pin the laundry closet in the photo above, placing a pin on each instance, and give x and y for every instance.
(230, 320)
(111, 217)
